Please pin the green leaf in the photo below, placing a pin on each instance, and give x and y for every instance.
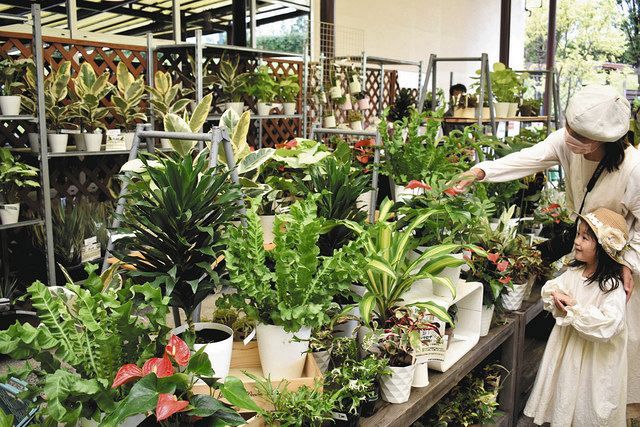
(205, 406)
(142, 398)
(200, 114)
(367, 305)
(200, 365)
(233, 390)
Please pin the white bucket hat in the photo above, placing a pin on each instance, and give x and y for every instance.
(599, 113)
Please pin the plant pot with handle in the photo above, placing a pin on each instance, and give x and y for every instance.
(238, 107)
(335, 92)
(357, 125)
(485, 319)
(58, 142)
(512, 299)
(217, 340)
(329, 121)
(9, 213)
(34, 141)
(355, 87)
(93, 141)
(10, 105)
(396, 387)
(289, 108)
(282, 356)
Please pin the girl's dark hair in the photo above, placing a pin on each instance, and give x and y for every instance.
(608, 272)
(614, 153)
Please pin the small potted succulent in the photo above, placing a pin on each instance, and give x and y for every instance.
(14, 175)
(288, 90)
(11, 73)
(354, 118)
(263, 87)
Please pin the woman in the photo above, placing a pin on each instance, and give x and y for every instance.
(597, 124)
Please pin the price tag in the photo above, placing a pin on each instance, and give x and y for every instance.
(90, 249)
(249, 337)
(339, 416)
(115, 140)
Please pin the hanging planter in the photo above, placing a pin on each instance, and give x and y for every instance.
(281, 356)
(364, 104)
(355, 87)
(335, 92)
(329, 121)
(396, 387)
(485, 319)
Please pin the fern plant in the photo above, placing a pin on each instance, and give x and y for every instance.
(92, 328)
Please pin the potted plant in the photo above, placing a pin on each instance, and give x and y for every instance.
(363, 101)
(59, 111)
(530, 107)
(11, 72)
(28, 101)
(344, 102)
(288, 90)
(232, 84)
(507, 87)
(263, 87)
(328, 119)
(14, 175)
(335, 91)
(126, 101)
(288, 289)
(354, 81)
(166, 98)
(354, 118)
(91, 90)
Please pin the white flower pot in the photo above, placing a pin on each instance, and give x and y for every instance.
(280, 356)
(513, 109)
(128, 139)
(452, 273)
(263, 108)
(335, 92)
(289, 108)
(501, 109)
(363, 202)
(58, 142)
(34, 142)
(364, 104)
(421, 374)
(267, 222)
(396, 388)
(485, 319)
(348, 328)
(165, 143)
(9, 213)
(93, 141)
(357, 125)
(322, 97)
(10, 105)
(78, 141)
(355, 87)
(238, 107)
(322, 358)
(132, 421)
(219, 352)
(329, 122)
(512, 299)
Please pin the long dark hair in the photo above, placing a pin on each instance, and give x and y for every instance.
(608, 272)
(614, 153)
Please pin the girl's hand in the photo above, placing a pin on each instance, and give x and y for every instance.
(627, 279)
(562, 301)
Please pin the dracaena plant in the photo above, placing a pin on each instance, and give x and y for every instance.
(59, 111)
(14, 175)
(166, 96)
(164, 387)
(177, 209)
(292, 285)
(129, 94)
(91, 90)
(87, 332)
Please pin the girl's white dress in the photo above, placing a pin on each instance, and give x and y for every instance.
(582, 380)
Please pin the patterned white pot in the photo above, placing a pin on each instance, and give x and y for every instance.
(396, 388)
(322, 358)
(512, 299)
(485, 319)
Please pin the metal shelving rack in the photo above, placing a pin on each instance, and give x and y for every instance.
(43, 156)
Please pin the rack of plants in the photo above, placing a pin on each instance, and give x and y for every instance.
(26, 118)
(422, 399)
(22, 224)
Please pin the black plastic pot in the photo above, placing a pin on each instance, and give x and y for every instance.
(347, 419)
(8, 318)
(368, 408)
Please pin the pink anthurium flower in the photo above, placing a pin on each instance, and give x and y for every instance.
(505, 280)
(168, 404)
(127, 373)
(493, 257)
(413, 184)
(162, 367)
(179, 350)
(502, 266)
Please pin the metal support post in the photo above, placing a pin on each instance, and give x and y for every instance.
(492, 115)
(252, 23)
(425, 86)
(72, 18)
(199, 71)
(151, 82)
(434, 85)
(177, 24)
(420, 76)
(305, 89)
(381, 96)
(364, 70)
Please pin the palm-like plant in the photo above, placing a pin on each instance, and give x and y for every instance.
(389, 271)
(126, 102)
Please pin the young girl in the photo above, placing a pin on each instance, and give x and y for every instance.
(582, 380)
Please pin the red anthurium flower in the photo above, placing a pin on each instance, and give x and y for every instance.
(493, 257)
(168, 404)
(288, 145)
(363, 159)
(127, 373)
(502, 266)
(363, 143)
(413, 184)
(452, 192)
(179, 350)
(505, 280)
(251, 149)
(162, 367)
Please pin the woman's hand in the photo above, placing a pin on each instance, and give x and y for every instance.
(562, 301)
(467, 178)
(627, 281)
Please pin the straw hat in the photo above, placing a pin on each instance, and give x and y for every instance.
(599, 113)
(610, 229)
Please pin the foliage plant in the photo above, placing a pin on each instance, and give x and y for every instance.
(530, 107)
(14, 175)
(187, 124)
(87, 332)
(261, 85)
(241, 325)
(129, 94)
(166, 97)
(58, 110)
(354, 116)
(506, 84)
(289, 88)
(91, 90)
(176, 212)
(231, 83)
(11, 72)
(291, 285)
(164, 387)
(404, 103)
(387, 269)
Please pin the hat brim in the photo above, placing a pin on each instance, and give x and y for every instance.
(614, 256)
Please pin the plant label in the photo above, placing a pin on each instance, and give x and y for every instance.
(115, 140)
(249, 337)
(90, 249)
(339, 416)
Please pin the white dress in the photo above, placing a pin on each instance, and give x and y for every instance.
(618, 191)
(582, 380)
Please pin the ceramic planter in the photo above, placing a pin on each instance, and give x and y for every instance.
(363, 104)
(347, 105)
(322, 97)
(289, 108)
(93, 141)
(238, 107)
(34, 142)
(10, 105)
(281, 356)
(128, 139)
(501, 109)
(263, 108)
(9, 213)
(329, 121)
(355, 87)
(335, 92)
(58, 142)
(396, 387)
(512, 299)
(357, 125)
(220, 347)
(513, 109)
(363, 201)
(267, 222)
(485, 319)
(451, 273)
(78, 141)
(421, 374)
(322, 358)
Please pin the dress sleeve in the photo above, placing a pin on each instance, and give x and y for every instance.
(540, 157)
(550, 287)
(598, 324)
(631, 201)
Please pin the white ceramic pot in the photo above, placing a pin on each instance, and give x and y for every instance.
(513, 109)
(34, 142)
(322, 98)
(58, 142)
(335, 92)
(485, 319)
(93, 141)
(421, 374)
(289, 108)
(363, 202)
(396, 388)
(329, 122)
(501, 109)
(165, 144)
(10, 105)
(132, 421)
(219, 352)
(322, 358)
(364, 104)
(263, 108)
(348, 328)
(9, 213)
(78, 141)
(128, 139)
(451, 273)
(357, 125)
(355, 87)
(512, 299)
(238, 107)
(267, 222)
(280, 356)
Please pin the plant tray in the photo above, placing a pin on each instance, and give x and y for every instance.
(247, 359)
